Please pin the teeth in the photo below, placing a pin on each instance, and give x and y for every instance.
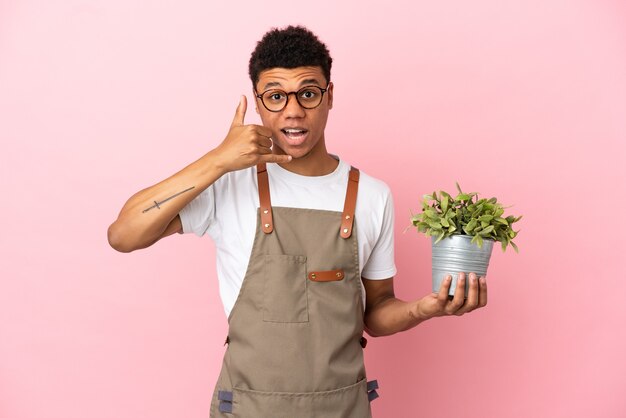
(293, 131)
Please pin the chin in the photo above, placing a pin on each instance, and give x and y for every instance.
(295, 152)
(299, 152)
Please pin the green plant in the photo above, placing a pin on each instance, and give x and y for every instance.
(443, 215)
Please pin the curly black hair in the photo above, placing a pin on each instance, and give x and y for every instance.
(291, 47)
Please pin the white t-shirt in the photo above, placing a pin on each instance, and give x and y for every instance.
(227, 212)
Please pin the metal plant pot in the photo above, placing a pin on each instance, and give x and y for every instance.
(457, 254)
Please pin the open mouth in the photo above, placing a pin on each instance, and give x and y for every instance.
(295, 135)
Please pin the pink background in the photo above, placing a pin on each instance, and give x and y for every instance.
(525, 101)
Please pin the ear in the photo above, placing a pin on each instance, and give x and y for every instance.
(256, 101)
(329, 92)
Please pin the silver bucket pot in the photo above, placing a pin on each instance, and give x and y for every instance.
(457, 254)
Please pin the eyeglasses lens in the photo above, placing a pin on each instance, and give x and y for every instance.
(308, 98)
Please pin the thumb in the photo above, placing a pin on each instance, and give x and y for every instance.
(240, 113)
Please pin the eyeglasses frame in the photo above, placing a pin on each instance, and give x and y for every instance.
(289, 93)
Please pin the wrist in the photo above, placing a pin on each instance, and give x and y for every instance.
(416, 314)
(215, 160)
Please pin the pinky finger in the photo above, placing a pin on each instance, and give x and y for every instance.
(275, 158)
(482, 296)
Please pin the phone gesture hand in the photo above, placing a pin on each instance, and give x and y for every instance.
(247, 145)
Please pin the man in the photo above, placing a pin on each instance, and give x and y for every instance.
(304, 245)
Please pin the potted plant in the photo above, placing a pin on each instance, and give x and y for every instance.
(463, 230)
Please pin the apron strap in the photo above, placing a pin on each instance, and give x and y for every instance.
(347, 219)
(267, 224)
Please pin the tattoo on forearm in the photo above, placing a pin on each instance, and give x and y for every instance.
(158, 204)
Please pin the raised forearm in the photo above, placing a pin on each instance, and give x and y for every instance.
(146, 215)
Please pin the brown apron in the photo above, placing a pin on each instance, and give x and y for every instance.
(295, 339)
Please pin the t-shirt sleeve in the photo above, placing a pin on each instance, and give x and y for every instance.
(199, 214)
(381, 263)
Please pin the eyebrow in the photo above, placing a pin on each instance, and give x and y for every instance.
(302, 83)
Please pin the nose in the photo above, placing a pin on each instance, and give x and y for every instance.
(293, 108)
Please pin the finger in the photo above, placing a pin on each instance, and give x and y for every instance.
(262, 130)
(263, 150)
(471, 302)
(444, 290)
(240, 113)
(482, 297)
(265, 142)
(275, 158)
(259, 130)
(459, 295)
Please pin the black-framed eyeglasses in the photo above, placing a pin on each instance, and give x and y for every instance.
(308, 97)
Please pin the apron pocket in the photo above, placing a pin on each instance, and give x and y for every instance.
(346, 402)
(284, 289)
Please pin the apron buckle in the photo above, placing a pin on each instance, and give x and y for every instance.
(372, 385)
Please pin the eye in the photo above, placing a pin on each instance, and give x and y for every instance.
(308, 94)
(275, 96)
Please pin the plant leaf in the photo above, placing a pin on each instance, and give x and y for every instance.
(434, 224)
(486, 231)
(444, 202)
(514, 246)
(440, 237)
(470, 226)
(430, 213)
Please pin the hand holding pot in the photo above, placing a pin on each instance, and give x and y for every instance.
(439, 304)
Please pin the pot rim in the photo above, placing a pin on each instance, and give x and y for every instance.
(465, 236)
